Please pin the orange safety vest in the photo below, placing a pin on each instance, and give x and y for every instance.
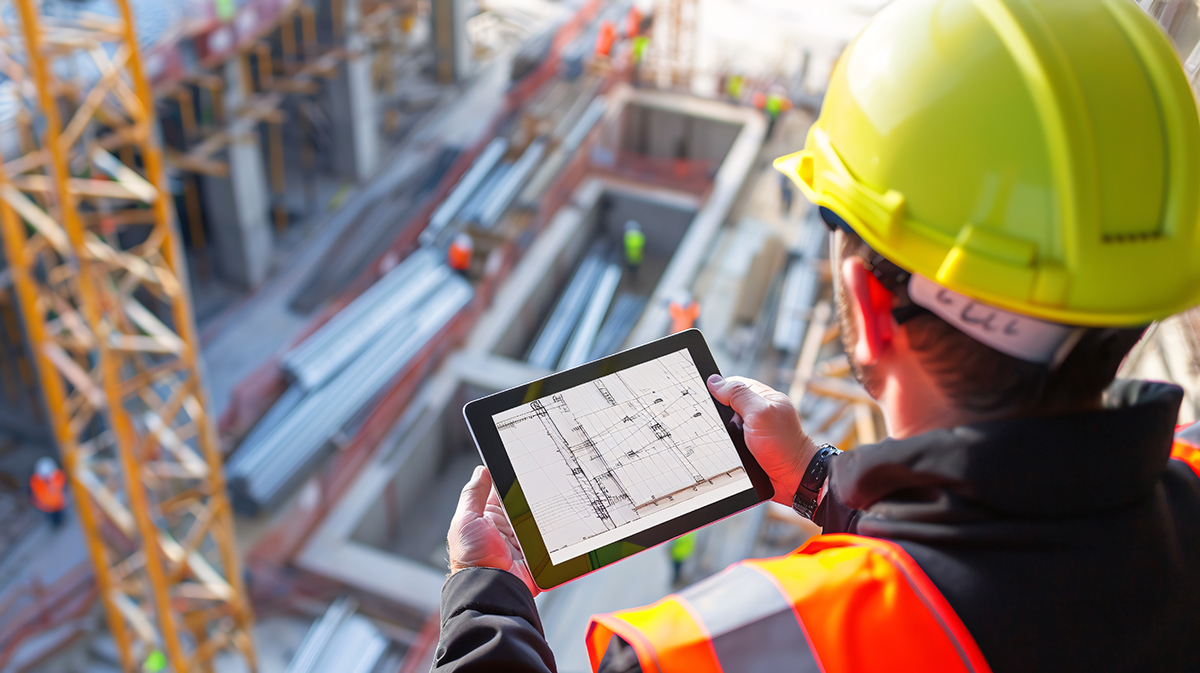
(838, 604)
(683, 317)
(48, 494)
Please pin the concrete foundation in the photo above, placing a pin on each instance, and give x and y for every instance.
(387, 535)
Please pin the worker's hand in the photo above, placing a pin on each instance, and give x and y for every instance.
(772, 429)
(481, 536)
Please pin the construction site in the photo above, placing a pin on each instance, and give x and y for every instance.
(258, 254)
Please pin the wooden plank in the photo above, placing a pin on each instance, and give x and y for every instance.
(188, 458)
(132, 343)
(125, 175)
(83, 187)
(38, 219)
(839, 389)
(116, 512)
(806, 362)
(72, 372)
(143, 318)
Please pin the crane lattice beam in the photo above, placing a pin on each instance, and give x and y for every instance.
(90, 237)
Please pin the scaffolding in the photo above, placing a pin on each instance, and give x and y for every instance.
(102, 287)
(673, 49)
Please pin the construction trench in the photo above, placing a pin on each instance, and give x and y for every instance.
(323, 159)
(385, 537)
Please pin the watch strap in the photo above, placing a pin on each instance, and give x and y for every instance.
(809, 490)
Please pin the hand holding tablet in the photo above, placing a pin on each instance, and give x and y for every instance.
(599, 462)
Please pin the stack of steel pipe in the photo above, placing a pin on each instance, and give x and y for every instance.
(348, 365)
(584, 337)
(548, 347)
(800, 288)
(466, 186)
(341, 640)
(553, 165)
(474, 208)
(616, 328)
(328, 350)
(506, 191)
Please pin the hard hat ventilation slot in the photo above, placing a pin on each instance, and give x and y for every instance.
(1132, 238)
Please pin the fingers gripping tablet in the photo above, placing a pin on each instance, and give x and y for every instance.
(599, 462)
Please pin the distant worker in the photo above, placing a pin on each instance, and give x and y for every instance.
(633, 23)
(46, 486)
(1011, 191)
(462, 248)
(681, 549)
(685, 310)
(606, 35)
(635, 248)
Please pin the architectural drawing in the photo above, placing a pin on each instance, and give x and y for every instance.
(607, 454)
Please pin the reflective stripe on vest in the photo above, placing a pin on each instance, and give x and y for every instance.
(840, 603)
(1187, 447)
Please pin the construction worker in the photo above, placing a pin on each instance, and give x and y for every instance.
(635, 247)
(46, 486)
(1011, 187)
(681, 549)
(461, 250)
(684, 310)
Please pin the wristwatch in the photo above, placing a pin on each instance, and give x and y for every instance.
(805, 500)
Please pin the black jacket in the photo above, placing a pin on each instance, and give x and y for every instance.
(1063, 543)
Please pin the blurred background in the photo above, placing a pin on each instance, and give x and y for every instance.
(384, 209)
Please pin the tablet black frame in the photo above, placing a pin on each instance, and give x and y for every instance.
(547, 575)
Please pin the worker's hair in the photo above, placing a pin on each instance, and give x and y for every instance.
(983, 380)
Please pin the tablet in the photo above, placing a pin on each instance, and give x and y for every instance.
(600, 462)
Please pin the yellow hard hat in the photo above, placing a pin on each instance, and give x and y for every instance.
(1041, 156)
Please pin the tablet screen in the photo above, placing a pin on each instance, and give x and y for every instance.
(620, 454)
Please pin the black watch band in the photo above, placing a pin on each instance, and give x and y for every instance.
(805, 500)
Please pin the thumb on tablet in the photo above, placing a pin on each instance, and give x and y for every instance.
(475, 494)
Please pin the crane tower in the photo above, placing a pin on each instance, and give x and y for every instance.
(101, 281)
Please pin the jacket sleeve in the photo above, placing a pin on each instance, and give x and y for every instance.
(490, 623)
(834, 516)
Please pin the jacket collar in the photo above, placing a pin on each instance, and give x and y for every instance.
(1041, 467)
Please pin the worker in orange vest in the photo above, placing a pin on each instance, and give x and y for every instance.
(1027, 513)
(462, 248)
(47, 485)
(684, 311)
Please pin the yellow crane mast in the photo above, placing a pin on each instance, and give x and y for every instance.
(100, 277)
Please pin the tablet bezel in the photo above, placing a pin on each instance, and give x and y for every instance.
(546, 575)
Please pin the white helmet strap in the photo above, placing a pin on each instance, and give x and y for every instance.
(1020, 336)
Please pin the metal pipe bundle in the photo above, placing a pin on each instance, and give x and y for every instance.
(580, 346)
(507, 190)
(462, 191)
(474, 207)
(800, 288)
(262, 473)
(550, 169)
(617, 326)
(550, 343)
(340, 640)
(328, 350)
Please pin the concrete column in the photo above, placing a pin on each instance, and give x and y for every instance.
(353, 106)
(452, 52)
(237, 207)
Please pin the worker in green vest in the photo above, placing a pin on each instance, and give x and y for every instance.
(682, 549)
(635, 247)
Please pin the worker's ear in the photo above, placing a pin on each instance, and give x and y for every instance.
(870, 308)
